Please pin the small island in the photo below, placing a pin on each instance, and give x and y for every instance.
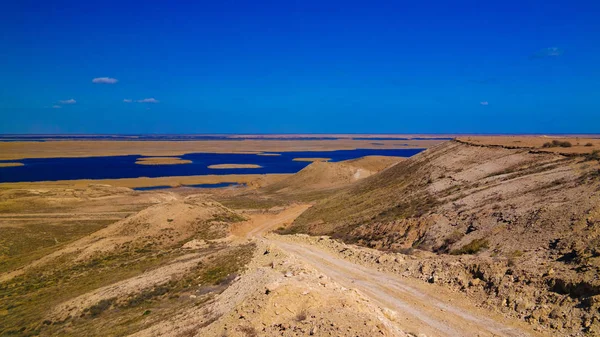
(162, 161)
(234, 166)
(311, 159)
(10, 164)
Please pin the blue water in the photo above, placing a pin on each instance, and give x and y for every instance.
(114, 167)
(43, 138)
(167, 137)
(217, 185)
(396, 138)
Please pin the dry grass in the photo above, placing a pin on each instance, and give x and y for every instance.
(26, 300)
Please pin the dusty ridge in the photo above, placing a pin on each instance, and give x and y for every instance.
(525, 216)
(571, 145)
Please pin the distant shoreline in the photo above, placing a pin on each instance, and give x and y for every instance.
(103, 148)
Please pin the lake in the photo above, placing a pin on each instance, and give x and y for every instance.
(114, 167)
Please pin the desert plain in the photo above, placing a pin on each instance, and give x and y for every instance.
(475, 236)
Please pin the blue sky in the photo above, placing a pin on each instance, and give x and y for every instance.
(300, 66)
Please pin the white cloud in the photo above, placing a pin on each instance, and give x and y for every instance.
(68, 101)
(105, 80)
(127, 100)
(553, 51)
(484, 103)
(547, 52)
(147, 100)
(57, 106)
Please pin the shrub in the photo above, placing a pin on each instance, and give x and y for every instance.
(595, 155)
(451, 239)
(565, 144)
(589, 144)
(248, 331)
(100, 307)
(513, 257)
(472, 247)
(301, 316)
(557, 143)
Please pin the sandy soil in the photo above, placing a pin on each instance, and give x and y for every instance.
(249, 179)
(233, 166)
(162, 161)
(53, 149)
(10, 164)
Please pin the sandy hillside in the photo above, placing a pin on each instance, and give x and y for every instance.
(529, 215)
(322, 175)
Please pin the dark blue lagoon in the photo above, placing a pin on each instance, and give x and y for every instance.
(217, 185)
(114, 167)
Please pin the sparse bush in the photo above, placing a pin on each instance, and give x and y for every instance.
(589, 144)
(513, 256)
(557, 143)
(451, 239)
(100, 307)
(472, 247)
(565, 144)
(248, 331)
(595, 155)
(147, 295)
(301, 316)
(405, 251)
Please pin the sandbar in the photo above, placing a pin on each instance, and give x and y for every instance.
(10, 164)
(162, 161)
(234, 166)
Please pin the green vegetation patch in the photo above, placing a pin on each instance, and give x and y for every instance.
(472, 247)
(21, 245)
(25, 301)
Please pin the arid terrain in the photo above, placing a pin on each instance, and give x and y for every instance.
(477, 236)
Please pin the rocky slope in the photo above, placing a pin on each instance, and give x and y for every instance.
(528, 221)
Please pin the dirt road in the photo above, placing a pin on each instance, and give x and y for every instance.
(418, 308)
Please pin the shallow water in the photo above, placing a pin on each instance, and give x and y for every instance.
(114, 167)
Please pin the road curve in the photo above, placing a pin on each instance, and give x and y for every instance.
(420, 309)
